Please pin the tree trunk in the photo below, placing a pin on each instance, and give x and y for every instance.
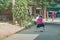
(45, 17)
(13, 3)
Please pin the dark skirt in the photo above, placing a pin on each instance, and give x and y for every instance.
(40, 25)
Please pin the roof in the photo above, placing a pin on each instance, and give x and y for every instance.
(57, 6)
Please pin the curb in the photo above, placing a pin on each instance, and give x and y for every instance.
(52, 23)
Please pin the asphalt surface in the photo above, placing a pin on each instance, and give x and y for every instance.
(52, 32)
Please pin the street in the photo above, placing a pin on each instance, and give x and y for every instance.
(52, 32)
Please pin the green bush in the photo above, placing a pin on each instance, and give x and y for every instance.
(4, 4)
(20, 11)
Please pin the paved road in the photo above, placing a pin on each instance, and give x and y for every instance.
(52, 32)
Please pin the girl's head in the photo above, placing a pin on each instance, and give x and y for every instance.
(40, 16)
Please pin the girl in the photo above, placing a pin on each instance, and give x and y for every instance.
(40, 23)
(53, 16)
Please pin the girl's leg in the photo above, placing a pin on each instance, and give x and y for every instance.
(53, 19)
(43, 28)
(36, 28)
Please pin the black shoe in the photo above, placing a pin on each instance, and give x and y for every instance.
(41, 31)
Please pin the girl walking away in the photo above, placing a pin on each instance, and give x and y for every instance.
(53, 16)
(40, 24)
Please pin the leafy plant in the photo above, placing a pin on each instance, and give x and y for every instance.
(30, 2)
(20, 11)
(4, 4)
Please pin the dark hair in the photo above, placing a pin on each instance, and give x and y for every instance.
(40, 16)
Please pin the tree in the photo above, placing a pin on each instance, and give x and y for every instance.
(43, 4)
(20, 11)
(30, 2)
(4, 4)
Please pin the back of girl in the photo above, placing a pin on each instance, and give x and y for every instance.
(39, 20)
(40, 23)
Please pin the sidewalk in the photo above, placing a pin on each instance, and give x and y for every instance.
(57, 20)
(7, 29)
(22, 37)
